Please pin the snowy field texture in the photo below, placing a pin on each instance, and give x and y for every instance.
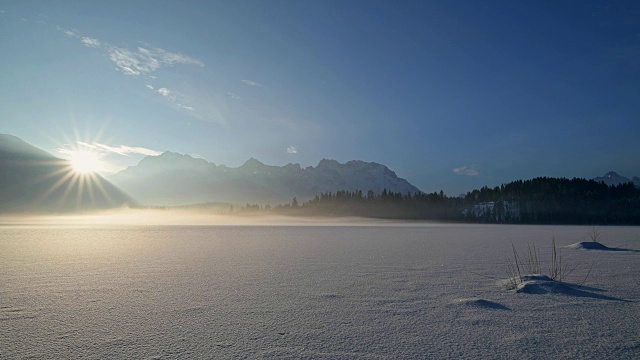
(319, 292)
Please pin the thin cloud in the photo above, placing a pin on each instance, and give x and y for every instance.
(90, 42)
(125, 150)
(142, 60)
(164, 92)
(233, 96)
(145, 61)
(176, 98)
(251, 83)
(466, 171)
(67, 32)
(103, 149)
(292, 150)
(87, 145)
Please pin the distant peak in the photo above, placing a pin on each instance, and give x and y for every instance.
(172, 154)
(172, 158)
(293, 166)
(361, 163)
(612, 178)
(169, 155)
(328, 163)
(252, 162)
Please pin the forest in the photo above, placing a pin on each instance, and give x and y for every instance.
(542, 200)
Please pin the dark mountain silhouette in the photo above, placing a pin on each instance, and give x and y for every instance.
(13, 148)
(32, 180)
(176, 179)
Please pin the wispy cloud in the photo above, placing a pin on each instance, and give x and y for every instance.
(145, 61)
(87, 145)
(103, 149)
(292, 150)
(142, 60)
(90, 42)
(166, 92)
(125, 150)
(466, 171)
(67, 32)
(251, 83)
(177, 99)
(233, 96)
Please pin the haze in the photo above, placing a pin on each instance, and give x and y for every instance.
(173, 217)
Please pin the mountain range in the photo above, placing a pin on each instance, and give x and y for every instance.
(176, 179)
(32, 180)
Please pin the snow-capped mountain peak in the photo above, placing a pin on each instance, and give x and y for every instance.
(173, 178)
(612, 178)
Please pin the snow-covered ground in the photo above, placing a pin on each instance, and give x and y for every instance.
(390, 291)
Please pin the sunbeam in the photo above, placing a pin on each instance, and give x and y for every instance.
(74, 182)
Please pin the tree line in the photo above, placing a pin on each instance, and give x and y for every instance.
(542, 200)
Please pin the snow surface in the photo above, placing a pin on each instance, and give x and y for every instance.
(392, 291)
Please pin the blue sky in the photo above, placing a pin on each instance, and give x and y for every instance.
(451, 95)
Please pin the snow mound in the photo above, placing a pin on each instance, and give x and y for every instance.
(592, 245)
(542, 284)
(539, 284)
(479, 303)
(589, 245)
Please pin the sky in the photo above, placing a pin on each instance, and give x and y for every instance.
(451, 95)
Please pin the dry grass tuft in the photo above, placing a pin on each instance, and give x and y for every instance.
(594, 234)
(517, 268)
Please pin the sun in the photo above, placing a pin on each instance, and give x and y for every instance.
(85, 162)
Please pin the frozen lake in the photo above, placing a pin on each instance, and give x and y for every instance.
(387, 291)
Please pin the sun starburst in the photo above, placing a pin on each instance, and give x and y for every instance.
(85, 162)
(76, 175)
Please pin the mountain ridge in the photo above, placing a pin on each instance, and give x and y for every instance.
(13, 147)
(33, 179)
(154, 180)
